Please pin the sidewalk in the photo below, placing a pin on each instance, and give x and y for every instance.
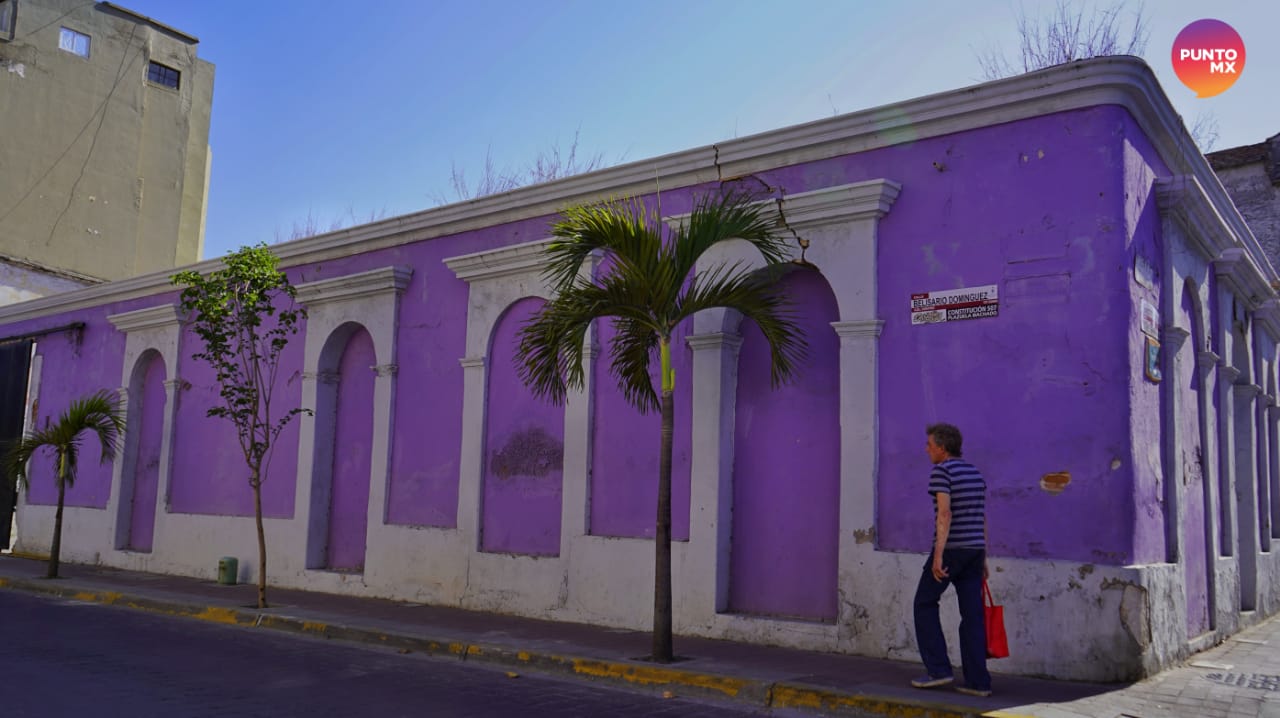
(759, 676)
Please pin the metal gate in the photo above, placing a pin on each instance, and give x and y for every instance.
(15, 363)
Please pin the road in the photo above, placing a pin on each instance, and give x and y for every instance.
(68, 658)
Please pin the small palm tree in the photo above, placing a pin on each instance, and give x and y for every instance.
(99, 414)
(648, 287)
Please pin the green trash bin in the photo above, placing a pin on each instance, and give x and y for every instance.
(228, 569)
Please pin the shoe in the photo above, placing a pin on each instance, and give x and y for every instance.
(931, 681)
(974, 691)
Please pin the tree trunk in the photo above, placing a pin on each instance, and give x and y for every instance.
(56, 549)
(256, 482)
(662, 648)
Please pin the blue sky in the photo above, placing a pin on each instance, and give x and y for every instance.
(337, 110)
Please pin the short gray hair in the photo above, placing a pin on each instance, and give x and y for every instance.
(947, 437)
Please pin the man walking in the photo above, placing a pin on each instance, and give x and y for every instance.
(959, 556)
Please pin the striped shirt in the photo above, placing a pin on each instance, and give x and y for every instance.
(968, 491)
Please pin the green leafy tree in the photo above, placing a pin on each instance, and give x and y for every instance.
(647, 287)
(244, 314)
(99, 415)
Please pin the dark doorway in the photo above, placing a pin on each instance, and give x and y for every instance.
(15, 361)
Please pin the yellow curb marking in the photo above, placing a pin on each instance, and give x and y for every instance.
(794, 697)
(646, 676)
(474, 651)
(523, 656)
(457, 649)
(314, 627)
(217, 615)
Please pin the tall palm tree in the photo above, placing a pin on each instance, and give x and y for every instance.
(647, 286)
(98, 414)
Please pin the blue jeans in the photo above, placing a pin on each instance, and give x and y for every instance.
(964, 567)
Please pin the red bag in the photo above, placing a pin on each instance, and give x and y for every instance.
(997, 641)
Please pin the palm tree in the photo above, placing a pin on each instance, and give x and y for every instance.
(647, 286)
(99, 414)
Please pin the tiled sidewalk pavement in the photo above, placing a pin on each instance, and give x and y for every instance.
(1238, 679)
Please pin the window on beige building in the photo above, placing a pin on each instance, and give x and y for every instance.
(163, 75)
(74, 42)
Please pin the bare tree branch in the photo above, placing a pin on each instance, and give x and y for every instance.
(549, 164)
(1068, 33)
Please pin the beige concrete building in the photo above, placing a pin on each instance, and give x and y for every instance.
(1251, 176)
(104, 154)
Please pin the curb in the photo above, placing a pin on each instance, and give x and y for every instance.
(755, 692)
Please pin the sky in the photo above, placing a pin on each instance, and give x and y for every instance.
(341, 112)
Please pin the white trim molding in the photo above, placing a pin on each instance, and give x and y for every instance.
(517, 259)
(354, 286)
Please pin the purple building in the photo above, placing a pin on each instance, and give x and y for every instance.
(1046, 261)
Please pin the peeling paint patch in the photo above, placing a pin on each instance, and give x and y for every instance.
(1115, 464)
(18, 68)
(862, 536)
(1085, 570)
(1055, 482)
(532, 452)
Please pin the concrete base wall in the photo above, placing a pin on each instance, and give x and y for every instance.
(1133, 614)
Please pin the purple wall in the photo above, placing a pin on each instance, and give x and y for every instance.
(625, 446)
(146, 480)
(786, 468)
(75, 365)
(523, 452)
(1037, 208)
(209, 471)
(352, 454)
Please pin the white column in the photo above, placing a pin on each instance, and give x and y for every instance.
(311, 499)
(715, 381)
(1246, 492)
(859, 445)
(1227, 376)
(384, 413)
(1171, 344)
(575, 513)
(471, 459)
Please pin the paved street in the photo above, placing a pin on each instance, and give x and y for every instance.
(68, 658)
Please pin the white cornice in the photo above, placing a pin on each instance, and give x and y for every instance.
(161, 317)
(1183, 199)
(1238, 269)
(830, 205)
(501, 262)
(352, 286)
(859, 329)
(1269, 314)
(1121, 81)
(713, 341)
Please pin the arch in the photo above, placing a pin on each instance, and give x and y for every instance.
(338, 534)
(140, 475)
(786, 504)
(522, 472)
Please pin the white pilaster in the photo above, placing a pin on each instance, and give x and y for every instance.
(715, 381)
